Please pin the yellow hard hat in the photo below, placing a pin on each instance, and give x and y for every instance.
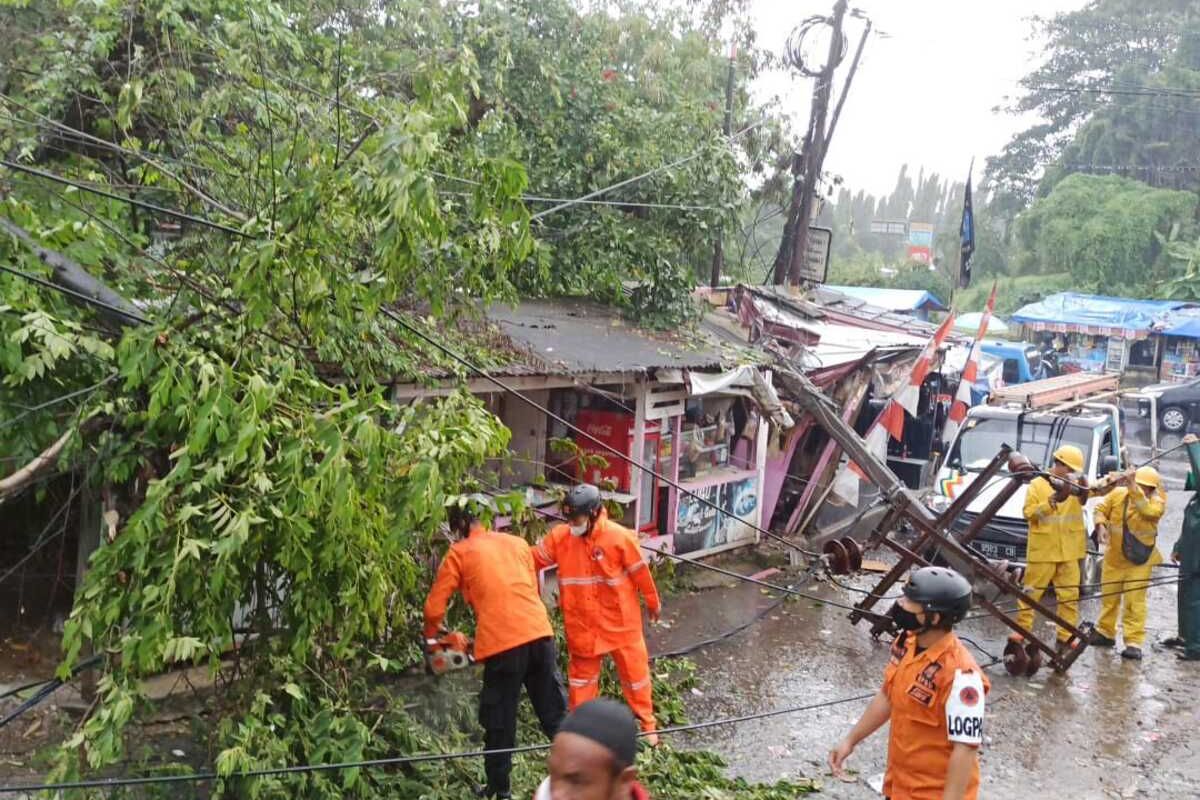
(1148, 476)
(1070, 455)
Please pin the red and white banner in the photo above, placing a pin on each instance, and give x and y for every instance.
(970, 373)
(891, 420)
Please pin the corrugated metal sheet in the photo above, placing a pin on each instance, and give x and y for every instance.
(565, 337)
(831, 305)
(893, 299)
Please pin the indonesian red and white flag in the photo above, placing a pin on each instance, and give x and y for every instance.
(970, 373)
(891, 420)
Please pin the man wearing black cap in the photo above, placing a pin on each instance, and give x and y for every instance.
(592, 756)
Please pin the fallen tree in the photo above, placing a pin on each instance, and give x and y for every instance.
(236, 191)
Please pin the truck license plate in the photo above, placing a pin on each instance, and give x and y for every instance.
(993, 550)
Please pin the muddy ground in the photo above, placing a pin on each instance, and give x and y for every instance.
(1108, 729)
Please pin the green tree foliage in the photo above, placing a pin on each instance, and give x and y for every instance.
(1149, 133)
(241, 477)
(1107, 45)
(596, 99)
(1012, 292)
(1102, 230)
(262, 483)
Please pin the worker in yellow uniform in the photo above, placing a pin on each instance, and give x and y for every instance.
(1127, 522)
(1057, 538)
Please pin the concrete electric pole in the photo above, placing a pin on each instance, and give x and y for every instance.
(807, 164)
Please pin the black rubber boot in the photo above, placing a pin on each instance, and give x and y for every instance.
(1098, 639)
(1132, 653)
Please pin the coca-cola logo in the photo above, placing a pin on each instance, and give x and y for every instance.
(599, 430)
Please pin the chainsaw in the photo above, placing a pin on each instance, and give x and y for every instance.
(450, 651)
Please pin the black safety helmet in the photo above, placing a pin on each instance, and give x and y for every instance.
(582, 499)
(940, 590)
(463, 510)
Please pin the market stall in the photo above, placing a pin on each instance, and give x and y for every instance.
(1181, 346)
(708, 433)
(1098, 333)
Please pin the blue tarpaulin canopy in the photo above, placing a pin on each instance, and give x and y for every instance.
(1185, 322)
(893, 299)
(1096, 314)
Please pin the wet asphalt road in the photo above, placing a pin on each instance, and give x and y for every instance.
(1108, 729)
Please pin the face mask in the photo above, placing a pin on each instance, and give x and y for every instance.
(578, 530)
(905, 619)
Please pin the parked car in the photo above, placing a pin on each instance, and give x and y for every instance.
(1178, 404)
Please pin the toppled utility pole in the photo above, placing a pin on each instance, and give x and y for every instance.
(1028, 650)
(807, 164)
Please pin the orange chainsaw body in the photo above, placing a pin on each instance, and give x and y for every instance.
(448, 652)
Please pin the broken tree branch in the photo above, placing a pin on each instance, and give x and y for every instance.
(15, 483)
(72, 276)
(27, 475)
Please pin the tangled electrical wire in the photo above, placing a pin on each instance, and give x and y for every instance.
(794, 48)
(421, 758)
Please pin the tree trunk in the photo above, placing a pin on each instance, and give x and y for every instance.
(71, 275)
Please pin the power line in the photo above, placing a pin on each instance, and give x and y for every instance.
(80, 137)
(1114, 91)
(419, 758)
(55, 401)
(1188, 168)
(533, 198)
(759, 582)
(787, 590)
(1147, 585)
(77, 295)
(44, 538)
(567, 203)
(619, 203)
(123, 199)
(615, 186)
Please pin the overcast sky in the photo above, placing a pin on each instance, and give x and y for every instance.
(923, 94)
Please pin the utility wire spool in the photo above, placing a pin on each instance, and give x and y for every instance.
(1022, 659)
(844, 555)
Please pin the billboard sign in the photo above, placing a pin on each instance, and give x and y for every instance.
(920, 254)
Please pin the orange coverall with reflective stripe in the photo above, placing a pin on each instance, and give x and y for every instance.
(599, 577)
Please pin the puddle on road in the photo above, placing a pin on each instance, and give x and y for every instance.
(1106, 712)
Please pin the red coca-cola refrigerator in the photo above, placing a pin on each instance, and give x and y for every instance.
(615, 429)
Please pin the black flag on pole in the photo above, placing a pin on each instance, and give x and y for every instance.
(967, 236)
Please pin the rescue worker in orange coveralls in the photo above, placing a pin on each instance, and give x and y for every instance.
(600, 573)
(933, 694)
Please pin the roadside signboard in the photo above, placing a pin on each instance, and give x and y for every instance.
(815, 266)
